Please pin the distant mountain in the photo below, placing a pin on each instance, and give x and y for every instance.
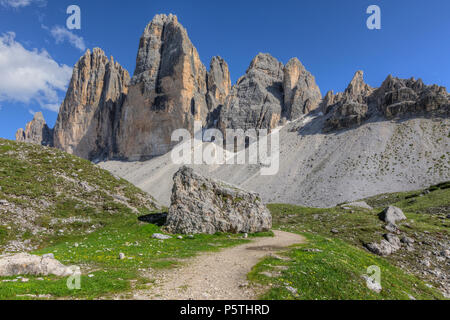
(359, 142)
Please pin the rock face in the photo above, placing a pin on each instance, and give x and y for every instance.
(350, 108)
(256, 100)
(27, 264)
(36, 132)
(301, 93)
(86, 121)
(398, 97)
(201, 205)
(167, 92)
(394, 99)
(219, 87)
(105, 115)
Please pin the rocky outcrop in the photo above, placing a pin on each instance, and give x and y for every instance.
(399, 97)
(27, 264)
(202, 205)
(167, 92)
(256, 100)
(36, 131)
(392, 214)
(301, 93)
(86, 121)
(396, 98)
(386, 247)
(350, 108)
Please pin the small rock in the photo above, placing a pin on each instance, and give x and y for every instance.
(372, 284)
(407, 240)
(446, 253)
(335, 231)
(359, 204)
(311, 250)
(91, 275)
(121, 256)
(24, 280)
(292, 290)
(245, 235)
(180, 237)
(161, 236)
(191, 236)
(392, 228)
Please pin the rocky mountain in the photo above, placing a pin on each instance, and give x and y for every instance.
(36, 131)
(395, 98)
(87, 118)
(107, 115)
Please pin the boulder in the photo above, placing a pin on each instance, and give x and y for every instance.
(392, 214)
(27, 264)
(206, 206)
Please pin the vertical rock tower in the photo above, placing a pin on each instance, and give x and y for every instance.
(167, 92)
(85, 124)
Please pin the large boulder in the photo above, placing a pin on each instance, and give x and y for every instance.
(392, 214)
(202, 205)
(27, 264)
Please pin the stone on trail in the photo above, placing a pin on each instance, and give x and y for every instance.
(205, 206)
(27, 264)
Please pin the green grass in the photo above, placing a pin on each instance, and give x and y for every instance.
(98, 254)
(335, 273)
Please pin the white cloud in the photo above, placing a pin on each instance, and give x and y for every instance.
(22, 3)
(61, 34)
(30, 75)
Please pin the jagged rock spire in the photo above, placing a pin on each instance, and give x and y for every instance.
(36, 131)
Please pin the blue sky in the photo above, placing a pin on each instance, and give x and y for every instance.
(330, 37)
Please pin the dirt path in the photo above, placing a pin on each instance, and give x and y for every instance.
(219, 275)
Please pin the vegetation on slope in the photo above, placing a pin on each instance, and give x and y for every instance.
(336, 270)
(53, 202)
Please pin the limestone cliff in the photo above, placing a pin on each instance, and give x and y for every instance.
(395, 98)
(257, 98)
(36, 131)
(167, 92)
(301, 93)
(86, 120)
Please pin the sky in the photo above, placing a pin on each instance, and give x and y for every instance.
(330, 37)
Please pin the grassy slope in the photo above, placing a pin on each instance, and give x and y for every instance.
(48, 191)
(336, 272)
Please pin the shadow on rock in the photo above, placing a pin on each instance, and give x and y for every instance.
(155, 218)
